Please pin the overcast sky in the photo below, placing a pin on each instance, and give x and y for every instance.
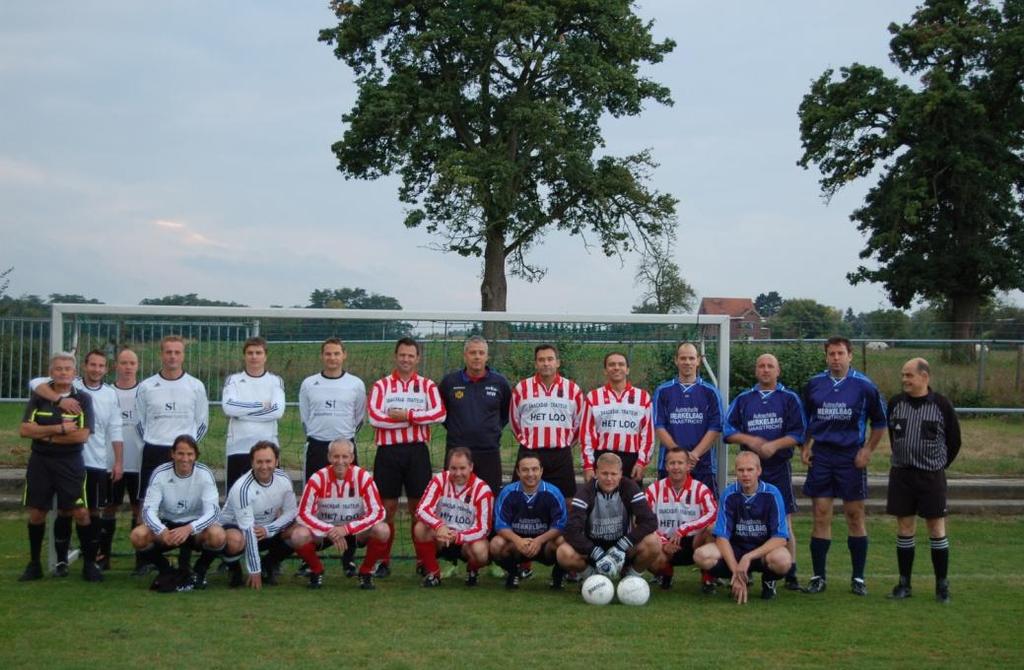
(153, 148)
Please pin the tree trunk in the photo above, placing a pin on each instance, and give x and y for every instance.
(965, 313)
(494, 286)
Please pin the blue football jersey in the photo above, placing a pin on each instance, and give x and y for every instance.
(530, 515)
(688, 412)
(750, 521)
(769, 415)
(838, 411)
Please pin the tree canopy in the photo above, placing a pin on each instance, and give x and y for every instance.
(189, 300)
(351, 298)
(664, 291)
(804, 317)
(489, 112)
(768, 304)
(944, 220)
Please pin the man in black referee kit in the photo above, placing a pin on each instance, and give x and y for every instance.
(56, 467)
(925, 437)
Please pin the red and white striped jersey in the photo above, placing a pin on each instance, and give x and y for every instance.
(546, 417)
(683, 512)
(617, 422)
(465, 509)
(352, 501)
(419, 395)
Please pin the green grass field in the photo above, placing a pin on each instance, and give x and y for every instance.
(992, 445)
(70, 624)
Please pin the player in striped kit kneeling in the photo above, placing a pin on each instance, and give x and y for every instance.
(341, 505)
(453, 519)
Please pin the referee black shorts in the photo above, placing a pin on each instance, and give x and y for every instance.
(97, 488)
(49, 476)
(398, 466)
(916, 492)
(559, 470)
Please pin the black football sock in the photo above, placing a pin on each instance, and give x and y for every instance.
(858, 547)
(108, 526)
(155, 556)
(205, 560)
(819, 553)
(62, 537)
(36, 531)
(905, 557)
(279, 550)
(87, 538)
(940, 556)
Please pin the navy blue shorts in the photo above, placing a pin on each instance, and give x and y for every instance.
(722, 571)
(833, 475)
(781, 477)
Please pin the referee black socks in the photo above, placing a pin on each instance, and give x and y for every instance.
(36, 531)
(940, 557)
(905, 556)
(88, 540)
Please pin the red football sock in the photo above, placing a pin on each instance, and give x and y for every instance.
(706, 577)
(666, 571)
(307, 552)
(426, 554)
(376, 550)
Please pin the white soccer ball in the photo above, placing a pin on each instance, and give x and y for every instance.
(633, 591)
(598, 590)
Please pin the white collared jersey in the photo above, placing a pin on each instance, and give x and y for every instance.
(684, 512)
(129, 434)
(418, 395)
(464, 509)
(617, 422)
(253, 406)
(176, 499)
(546, 417)
(167, 408)
(332, 407)
(251, 503)
(352, 501)
(97, 452)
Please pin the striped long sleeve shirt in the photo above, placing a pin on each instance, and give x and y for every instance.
(546, 417)
(618, 422)
(418, 395)
(172, 498)
(684, 512)
(352, 501)
(251, 503)
(924, 432)
(465, 509)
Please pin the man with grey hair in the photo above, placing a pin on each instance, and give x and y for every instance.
(925, 437)
(56, 467)
(477, 399)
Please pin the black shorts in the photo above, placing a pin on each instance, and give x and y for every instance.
(916, 492)
(453, 553)
(722, 571)
(559, 470)
(323, 543)
(97, 488)
(237, 466)
(685, 554)
(316, 456)
(191, 543)
(486, 466)
(129, 483)
(153, 456)
(402, 465)
(61, 476)
(628, 461)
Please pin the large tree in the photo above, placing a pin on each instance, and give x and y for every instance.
(803, 317)
(944, 219)
(664, 291)
(767, 304)
(490, 113)
(351, 298)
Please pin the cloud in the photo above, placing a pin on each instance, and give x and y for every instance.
(187, 236)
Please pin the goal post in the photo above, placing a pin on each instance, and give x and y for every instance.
(216, 333)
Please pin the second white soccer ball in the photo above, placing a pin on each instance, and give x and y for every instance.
(633, 591)
(598, 590)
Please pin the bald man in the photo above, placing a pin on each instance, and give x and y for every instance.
(768, 420)
(925, 437)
